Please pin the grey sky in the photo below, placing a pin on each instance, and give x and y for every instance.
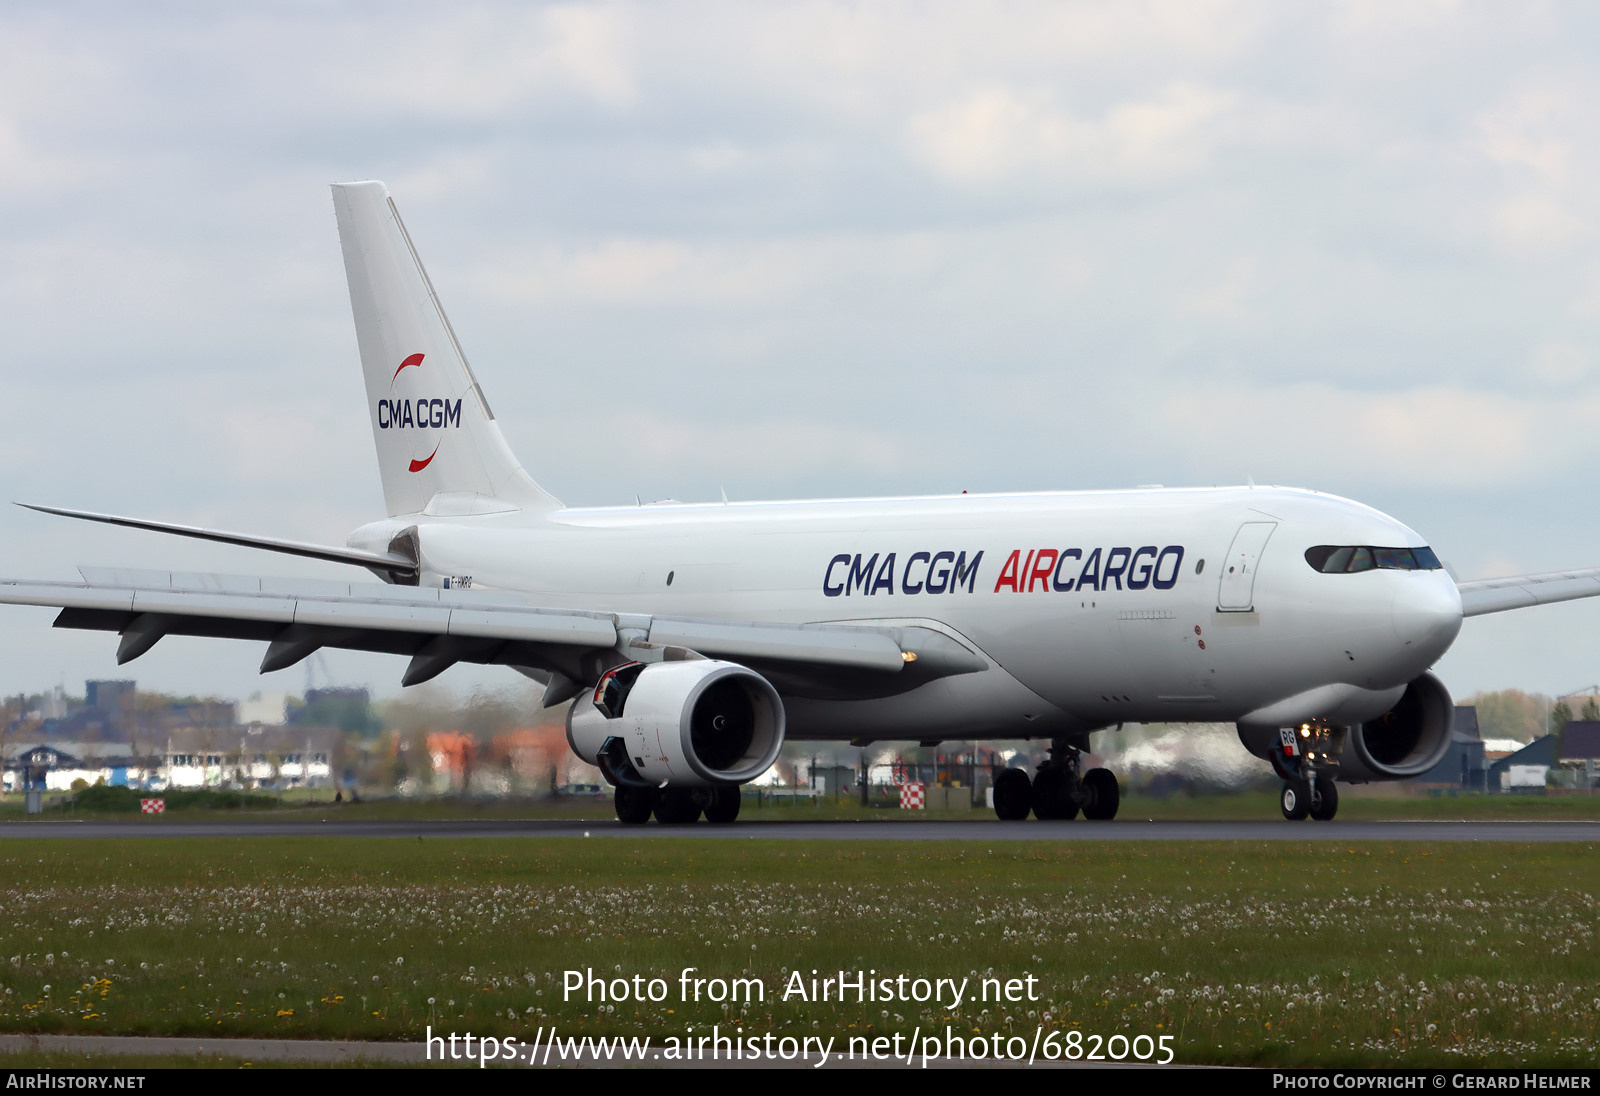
(809, 249)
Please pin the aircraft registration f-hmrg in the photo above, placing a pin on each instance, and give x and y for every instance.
(692, 640)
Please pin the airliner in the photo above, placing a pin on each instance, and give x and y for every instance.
(690, 641)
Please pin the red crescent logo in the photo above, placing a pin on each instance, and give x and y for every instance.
(419, 465)
(415, 359)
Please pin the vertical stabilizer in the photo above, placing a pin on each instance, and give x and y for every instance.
(439, 447)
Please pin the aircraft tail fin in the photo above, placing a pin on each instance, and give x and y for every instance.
(439, 447)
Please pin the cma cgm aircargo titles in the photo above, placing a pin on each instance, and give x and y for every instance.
(692, 640)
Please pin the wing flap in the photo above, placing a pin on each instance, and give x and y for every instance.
(1498, 595)
(834, 646)
(252, 607)
(533, 626)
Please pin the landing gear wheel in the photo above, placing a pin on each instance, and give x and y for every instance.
(1052, 797)
(1295, 800)
(677, 807)
(634, 804)
(1324, 800)
(724, 805)
(1104, 795)
(1013, 795)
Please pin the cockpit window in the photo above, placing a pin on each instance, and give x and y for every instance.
(1333, 559)
(1328, 558)
(1394, 559)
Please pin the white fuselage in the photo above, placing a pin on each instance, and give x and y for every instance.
(1092, 608)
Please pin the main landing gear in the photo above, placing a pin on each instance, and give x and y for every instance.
(1059, 792)
(1305, 759)
(676, 806)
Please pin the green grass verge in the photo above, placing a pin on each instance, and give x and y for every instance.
(133, 1063)
(1368, 953)
(1370, 804)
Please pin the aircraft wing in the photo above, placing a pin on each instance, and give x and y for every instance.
(438, 628)
(1496, 595)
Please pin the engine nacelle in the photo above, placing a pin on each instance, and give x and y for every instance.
(1406, 741)
(693, 724)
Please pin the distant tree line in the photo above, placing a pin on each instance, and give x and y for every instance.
(1512, 713)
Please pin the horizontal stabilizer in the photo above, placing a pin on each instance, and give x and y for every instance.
(392, 562)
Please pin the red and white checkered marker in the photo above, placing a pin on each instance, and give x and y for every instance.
(911, 797)
(153, 806)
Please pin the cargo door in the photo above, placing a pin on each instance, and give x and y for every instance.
(1236, 589)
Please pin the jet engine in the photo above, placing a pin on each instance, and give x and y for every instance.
(693, 724)
(1406, 741)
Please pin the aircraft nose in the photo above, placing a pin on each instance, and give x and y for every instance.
(1426, 613)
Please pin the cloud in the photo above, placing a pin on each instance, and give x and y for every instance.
(1540, 136)
(763, 446)
(998, 134)
(1525, 130)
(648, 272)
(1426, 437)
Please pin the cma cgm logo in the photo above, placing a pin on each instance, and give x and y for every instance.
(1043, 570)
(424, 412)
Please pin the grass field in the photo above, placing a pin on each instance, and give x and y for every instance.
(1367, 953)
(1358, 803)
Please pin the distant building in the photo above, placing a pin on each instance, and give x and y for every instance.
(355, 693)
(347, 707)
(1580, 740)
(521, 760)
(31, 767)
(55, 766)
(255, 757)
(52, 705)
(1463, 764)
(454, 756)
(1527, 768)
(268, 709)
(114, 698)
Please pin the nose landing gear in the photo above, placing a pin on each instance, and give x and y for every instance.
(1306, 759)
(1324, 799)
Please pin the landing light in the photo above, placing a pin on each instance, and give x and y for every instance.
(909, 656)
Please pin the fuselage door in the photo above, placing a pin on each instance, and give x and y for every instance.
(1236, 589)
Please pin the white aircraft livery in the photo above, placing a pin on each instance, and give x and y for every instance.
(692, 640)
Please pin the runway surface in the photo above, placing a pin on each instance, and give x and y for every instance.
(976, 830)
